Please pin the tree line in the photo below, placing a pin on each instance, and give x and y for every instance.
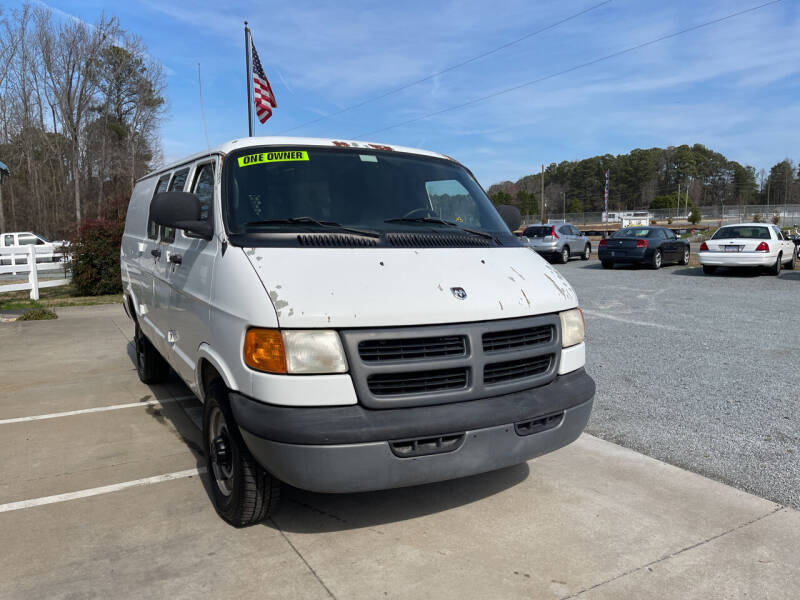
(80, 106)
(651, 178)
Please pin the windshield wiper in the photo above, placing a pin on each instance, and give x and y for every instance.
(438, 221)
(313, 221)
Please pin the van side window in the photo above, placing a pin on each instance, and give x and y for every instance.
(176, 185)
(203, 188)
(9, 239)
(161, 186)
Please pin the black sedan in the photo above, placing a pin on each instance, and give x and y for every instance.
(652, 246)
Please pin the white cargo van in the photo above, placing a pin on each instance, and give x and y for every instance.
(354, 317)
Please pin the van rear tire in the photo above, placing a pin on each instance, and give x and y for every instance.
(151, 367)
(242, 491)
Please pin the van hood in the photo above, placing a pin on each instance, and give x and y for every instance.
(376, 287)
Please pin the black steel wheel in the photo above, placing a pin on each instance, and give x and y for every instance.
(243, 492)
(150, 365)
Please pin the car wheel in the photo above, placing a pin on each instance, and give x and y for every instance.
(792, 264)
(587, 252)
(150, 365)
(607, 264)
(655, 261)
(776, 268)
(709, 270)
(564, 257)
(685, 258)
(243, 492)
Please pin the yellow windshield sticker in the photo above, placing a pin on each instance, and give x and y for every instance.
(269, 157)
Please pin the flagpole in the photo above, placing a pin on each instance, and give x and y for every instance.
(247, 46)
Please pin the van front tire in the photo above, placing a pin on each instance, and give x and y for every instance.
(150, 365)
(243, 492)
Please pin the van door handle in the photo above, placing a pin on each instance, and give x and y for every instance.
(175, 258)
(155, 252)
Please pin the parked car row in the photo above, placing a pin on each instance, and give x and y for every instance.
(653, 246)
(756, 245)
(748, 245)
(559, 241)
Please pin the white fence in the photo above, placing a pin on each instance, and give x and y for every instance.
(33, 260)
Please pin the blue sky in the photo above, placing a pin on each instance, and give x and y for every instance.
(734, 86)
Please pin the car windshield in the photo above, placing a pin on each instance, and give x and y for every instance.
(735, 232)
(635, 232)
(283, 189)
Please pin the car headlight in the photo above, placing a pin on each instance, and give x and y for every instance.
(573, 329)
(294, 351)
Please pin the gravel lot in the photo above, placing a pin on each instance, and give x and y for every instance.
(699, 371)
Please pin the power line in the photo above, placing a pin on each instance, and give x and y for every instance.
(446, 69)
(570, 69)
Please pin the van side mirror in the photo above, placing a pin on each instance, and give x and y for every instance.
(511, 216)
(180, 210)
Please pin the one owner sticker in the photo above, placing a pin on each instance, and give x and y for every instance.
(269, 157)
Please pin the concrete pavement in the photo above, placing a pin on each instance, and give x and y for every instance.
(593, 520)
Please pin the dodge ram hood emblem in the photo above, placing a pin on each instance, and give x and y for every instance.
(459, 293)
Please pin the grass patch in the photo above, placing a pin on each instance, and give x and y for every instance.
(37, 314)
(53, 297)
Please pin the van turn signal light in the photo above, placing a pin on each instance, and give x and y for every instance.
(263, 350)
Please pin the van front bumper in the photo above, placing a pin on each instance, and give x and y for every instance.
(354, 449)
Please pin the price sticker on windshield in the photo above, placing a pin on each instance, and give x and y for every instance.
(271, 157)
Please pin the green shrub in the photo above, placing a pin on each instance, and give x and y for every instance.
(37, 314)
(695, 217)
(95, 257)
(757, 218)
(775, 219)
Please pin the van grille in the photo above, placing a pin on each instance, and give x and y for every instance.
(516, 369)
(501, 341)
(412, 348)
(419, 365)
(418, 382)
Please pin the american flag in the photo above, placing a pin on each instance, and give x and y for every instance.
(262, 91)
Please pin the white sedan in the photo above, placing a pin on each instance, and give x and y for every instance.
(748, 245)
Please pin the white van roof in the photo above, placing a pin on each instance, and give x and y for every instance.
(246, 142)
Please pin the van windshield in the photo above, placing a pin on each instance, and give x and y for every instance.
(315, 189)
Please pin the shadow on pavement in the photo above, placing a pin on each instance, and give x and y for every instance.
(181, 415)
(309, 512)
(721, 272)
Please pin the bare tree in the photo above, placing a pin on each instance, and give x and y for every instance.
(70, 53)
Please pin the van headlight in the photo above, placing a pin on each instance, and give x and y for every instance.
(294, 351)
(573, 329)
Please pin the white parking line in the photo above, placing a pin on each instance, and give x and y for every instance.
(106, 489)
(86, 411)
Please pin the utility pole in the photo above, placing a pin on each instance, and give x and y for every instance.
(542, 219)
(564, 203)
(679, 198)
